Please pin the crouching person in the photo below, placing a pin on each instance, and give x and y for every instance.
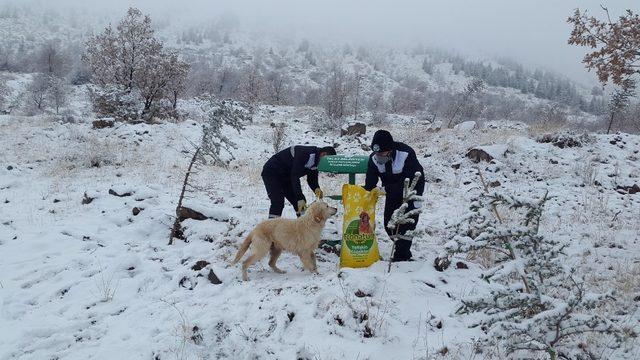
(393, 162)
(282, 172)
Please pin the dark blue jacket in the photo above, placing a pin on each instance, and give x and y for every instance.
(293, 163)
(404, 165)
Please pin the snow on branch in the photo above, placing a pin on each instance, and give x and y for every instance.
(533, 301)
(403, 215)
(214, 141)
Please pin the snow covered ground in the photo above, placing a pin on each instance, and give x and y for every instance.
(88, 274)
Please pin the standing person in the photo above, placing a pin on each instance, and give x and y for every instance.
(393, 162)
(282, 172)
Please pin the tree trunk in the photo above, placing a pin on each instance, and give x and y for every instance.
(174, 102)
(176, 229)
(610, 122)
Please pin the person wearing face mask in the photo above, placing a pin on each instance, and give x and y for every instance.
(393, 162)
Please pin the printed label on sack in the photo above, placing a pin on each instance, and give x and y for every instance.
(359, 245)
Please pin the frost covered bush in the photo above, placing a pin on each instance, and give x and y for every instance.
(379, 118)
(278, 136)
(535, 301)
(115, 101)
(322, 123)
(37, 90)
(46, 93)
(214, 142)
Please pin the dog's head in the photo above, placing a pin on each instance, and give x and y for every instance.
(319, 211)
(364, 217)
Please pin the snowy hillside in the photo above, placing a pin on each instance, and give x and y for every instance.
(86, 272)
(232, 60)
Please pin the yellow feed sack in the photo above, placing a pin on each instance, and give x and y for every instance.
(359, 245)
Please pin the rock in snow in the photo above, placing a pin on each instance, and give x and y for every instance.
(466, 126)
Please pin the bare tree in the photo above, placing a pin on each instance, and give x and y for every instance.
(37, 91)
(356, 84)
(177, 71)
(615, 45)
(278, 136)
(224, 81)
(57, 93)
(165, 79)
(335, 93)
(473, 87)
(252, 84)
(277, 88)
(52, 60)
(550, 114)
(131, 58)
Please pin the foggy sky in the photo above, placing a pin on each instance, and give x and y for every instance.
(532, 32)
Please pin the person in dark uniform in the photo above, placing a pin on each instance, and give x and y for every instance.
(393, 162)
(282, 172)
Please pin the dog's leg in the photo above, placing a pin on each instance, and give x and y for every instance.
(312, 255)
(307, 261)
(275, 254)
(258, 253)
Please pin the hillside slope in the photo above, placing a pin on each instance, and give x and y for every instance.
(96, 281)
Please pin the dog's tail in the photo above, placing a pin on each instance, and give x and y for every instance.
(243, 248)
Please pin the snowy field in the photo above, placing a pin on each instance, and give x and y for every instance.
(86, 272)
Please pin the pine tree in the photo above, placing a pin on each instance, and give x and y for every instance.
(403, 215)
(535, 302)
(214, 142)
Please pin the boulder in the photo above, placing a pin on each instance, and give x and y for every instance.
(487, 153)
(188, 213)
(357, 128)
(466, 126)
(434, 126)
(213, 278)
(103, 123)
(199, 265)
(564, 140)
(633, 189)
(478, 155)
(441, 263)
(86, 199)
(115, 193)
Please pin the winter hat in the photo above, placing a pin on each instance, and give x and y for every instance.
(382, 141)
(329, 150)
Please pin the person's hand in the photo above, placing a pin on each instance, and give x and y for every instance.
(302, 207)
(378, 192)
(319, 193)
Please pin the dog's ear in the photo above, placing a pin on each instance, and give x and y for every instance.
(317, 214)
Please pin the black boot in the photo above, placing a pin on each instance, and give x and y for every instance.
(402, 250)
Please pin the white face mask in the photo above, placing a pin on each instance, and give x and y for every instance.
(382, 159)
